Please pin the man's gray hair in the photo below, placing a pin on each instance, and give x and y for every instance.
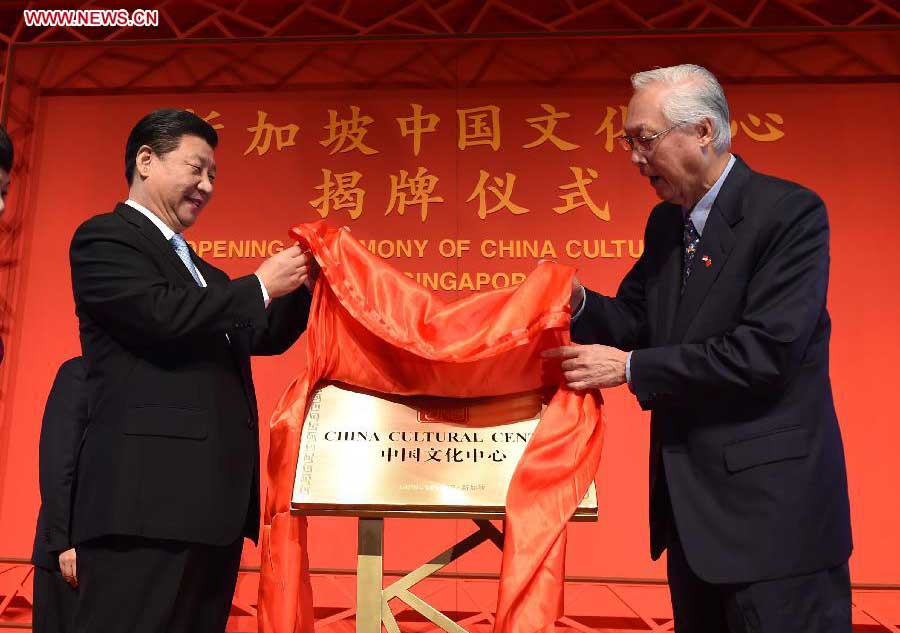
(695, 95)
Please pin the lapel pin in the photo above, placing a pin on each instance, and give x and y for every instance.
(706, 260)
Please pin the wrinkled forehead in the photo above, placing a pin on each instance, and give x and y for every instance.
(645, 113)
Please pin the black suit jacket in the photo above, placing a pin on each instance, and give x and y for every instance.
(744, 436)
(65, 419)
(171, 451)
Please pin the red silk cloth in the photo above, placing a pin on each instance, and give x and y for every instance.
(372, 327)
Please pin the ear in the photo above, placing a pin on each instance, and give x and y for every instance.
(705, 132)
(143, 161)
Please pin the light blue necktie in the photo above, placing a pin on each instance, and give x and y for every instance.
(181, 248)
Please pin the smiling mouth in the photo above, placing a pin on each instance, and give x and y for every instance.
(197, 203)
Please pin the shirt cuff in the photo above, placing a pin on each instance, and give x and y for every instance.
(581, 307)
(628, 371)
(265, 293)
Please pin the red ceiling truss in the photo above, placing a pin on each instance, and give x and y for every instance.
(775, 40)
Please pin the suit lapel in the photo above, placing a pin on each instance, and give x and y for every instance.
(210, 273)
(155, 238)
(238, 349)
(716, 245)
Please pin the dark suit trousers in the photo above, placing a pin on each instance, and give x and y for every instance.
(54, 605)
(815, 603)
(138, 585)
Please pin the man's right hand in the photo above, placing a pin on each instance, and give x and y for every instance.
(67, 567)
(284, 272)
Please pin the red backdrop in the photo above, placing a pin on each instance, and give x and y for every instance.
(817, 135)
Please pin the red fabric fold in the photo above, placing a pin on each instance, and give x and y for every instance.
(372, 327)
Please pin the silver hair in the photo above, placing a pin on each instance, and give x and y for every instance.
(696, 95)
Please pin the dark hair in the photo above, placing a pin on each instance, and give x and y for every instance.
(162, 131)
(6, 151)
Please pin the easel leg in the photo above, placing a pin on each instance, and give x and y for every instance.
(369, 569)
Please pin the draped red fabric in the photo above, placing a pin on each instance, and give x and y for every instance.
(372, 327)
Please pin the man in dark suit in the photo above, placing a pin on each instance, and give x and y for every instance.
(721, 331)
(168, 474)
(55, 570)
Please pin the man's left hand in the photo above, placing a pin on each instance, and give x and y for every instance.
(590, 366)
(67, 567)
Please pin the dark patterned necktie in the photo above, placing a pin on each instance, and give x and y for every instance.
(691, 242)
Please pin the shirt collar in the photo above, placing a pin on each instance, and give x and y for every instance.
(162, 226)
(700, 213)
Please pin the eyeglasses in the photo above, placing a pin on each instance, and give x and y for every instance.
(643, 144)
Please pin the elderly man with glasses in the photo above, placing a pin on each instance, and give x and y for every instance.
(721, 330)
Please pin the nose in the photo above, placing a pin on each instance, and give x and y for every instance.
(205, 185)
(637, 157)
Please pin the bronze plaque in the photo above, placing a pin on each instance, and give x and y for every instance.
(369, 455)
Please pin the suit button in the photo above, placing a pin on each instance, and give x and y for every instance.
(250, 421)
